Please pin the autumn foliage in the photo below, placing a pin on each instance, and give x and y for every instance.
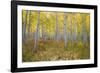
(51, 36)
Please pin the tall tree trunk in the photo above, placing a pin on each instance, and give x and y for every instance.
(37, 29)
(84, 33)
(29, 24)
(24, 27)
(65, 34)
(71, 29)
(57, 29)
(75, 27)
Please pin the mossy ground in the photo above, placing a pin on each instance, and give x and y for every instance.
(50, 50)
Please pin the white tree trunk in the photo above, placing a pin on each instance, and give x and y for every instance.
(65, 34)
(37, 29)
(24, 27)
(84, 33)
(75, 28)
(29, 24)
(57, 29)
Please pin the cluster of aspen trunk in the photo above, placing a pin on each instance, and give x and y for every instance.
(56, 26)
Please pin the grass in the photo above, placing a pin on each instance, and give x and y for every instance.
(50, 50)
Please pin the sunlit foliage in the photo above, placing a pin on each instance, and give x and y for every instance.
(41, 29)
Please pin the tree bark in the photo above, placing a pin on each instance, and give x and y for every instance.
(57, 29)
(24, 27)
(29, 24)
(84, 33)
(37, 29)
(65, 34)
(75, 27)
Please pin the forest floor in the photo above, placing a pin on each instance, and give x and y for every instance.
(52, 51)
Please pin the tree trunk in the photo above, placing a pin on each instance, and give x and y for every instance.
(24, 27)
(65, 34)
(29, 24)
(84, 33)
(37, 29)
(75, 28)
(57, 29)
